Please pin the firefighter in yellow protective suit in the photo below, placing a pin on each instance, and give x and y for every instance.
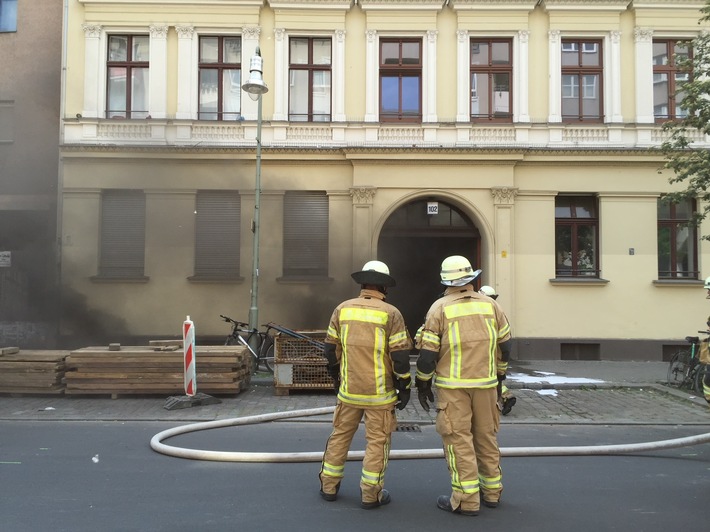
(506, 399)
(462, 333)
(368, 348)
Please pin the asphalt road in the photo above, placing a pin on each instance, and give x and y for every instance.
(103, 476)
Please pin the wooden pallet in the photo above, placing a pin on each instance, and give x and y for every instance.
(31, 371)
(152, 370)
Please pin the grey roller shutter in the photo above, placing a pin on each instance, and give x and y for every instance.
(217, 232)
(122, 234)
(305, 234)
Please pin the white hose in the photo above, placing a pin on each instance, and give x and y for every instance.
(230, 456)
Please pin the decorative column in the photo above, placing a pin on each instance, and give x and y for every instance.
(555, 102)
(521, 111)
(187, 74)
(503, 229)
(363, 198)
(615, 77)
(643, 44)
(338, 81)
(463, 82)
(280, 75)
(158, 71)
(430, 78)
(371, 77)
(92, 70)
(250, 40)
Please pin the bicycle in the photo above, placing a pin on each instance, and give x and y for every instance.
(264, 354)
(685, 369)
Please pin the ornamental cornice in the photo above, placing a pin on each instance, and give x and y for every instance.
(585, 5)
(401, 5)
(311, 4)
(91, 31)
(470, 5)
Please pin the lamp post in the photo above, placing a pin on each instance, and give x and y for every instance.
(255, 87)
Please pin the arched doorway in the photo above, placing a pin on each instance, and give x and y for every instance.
(413, 243)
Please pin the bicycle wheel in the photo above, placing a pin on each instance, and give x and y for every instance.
(268, 356)
(702, 370)
(678, 369)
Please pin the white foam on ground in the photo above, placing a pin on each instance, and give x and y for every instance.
(543, 377)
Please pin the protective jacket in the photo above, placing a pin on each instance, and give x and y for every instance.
(463, 321)
(367, 331)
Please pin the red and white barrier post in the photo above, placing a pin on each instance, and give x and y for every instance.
(188, 347)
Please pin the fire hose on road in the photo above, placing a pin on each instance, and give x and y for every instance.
(157, 444)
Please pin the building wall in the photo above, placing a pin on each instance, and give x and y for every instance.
(30, 95)
(502, 177)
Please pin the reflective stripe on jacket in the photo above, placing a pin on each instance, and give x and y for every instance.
(465, 328)
(366, 330)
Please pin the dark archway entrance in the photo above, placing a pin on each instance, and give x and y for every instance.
(413, 243)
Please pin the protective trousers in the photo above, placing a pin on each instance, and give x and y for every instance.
(706, 386)
(379, 425)
(467, 420)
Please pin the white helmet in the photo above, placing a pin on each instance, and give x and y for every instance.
(374, 272)
(488, 291)
(707, 283)
(457, 271)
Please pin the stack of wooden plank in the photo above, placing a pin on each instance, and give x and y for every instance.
(31, 371)
(155, 369)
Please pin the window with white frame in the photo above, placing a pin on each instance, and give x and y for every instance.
(669, 76)
(491, 78)
(582, 67)
(220, 78)
(401, 80)
(310, 62)
(127, 90)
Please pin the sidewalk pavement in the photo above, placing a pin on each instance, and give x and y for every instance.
(547, 392)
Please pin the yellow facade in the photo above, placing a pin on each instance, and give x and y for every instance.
(502, 177)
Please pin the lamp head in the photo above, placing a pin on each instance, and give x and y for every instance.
(255, 86)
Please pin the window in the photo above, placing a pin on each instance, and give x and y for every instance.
(582, 68)
(677, 240)
(8, 15)
(217, 234)
(122, 251)
(401, 80)
(668, 78)
(309, 79)
(305, 234)
(220, 78)
(576, 236)
(491, 76)
(127, 71)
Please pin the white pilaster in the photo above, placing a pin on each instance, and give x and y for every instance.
(371, 77)
(521, 81)
(643, 43)
(158, 71)
(463, 75)
(338, 77)
(280, 75)
(555, 51)
(250, 40)
(92, 70)
(429, 78)
(187, 74)
(614, 111)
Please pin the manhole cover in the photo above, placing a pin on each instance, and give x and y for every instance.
(408, 427)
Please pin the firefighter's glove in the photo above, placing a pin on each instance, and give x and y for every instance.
(501, 377)
(334, 372)
(424, 392)
(403, 391)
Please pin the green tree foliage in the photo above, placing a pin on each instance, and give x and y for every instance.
(691, 164)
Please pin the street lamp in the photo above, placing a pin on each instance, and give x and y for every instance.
(255, 87)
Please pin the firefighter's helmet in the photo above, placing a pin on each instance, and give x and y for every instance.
(374, 272)
(707, 283)
(488, 291)
(457, 271)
